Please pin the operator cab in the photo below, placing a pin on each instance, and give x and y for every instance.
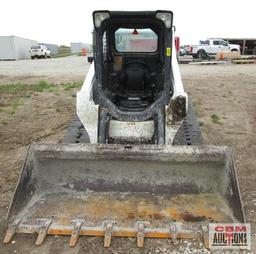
(132, 58)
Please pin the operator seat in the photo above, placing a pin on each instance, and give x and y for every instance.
(135, 78)
(135, 87)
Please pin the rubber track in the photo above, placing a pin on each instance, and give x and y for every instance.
(76, 132)
(189, 132)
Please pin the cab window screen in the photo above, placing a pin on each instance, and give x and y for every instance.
(135, 40)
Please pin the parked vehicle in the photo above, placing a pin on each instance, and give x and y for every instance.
(183, 52)
(39, 51)
(211, 47)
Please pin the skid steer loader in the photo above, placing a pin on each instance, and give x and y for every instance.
(132, 164)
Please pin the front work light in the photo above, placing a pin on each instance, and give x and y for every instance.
(166, 17)
(99, 17)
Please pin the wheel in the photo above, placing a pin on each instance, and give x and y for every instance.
(189, 132)
(32, 57)
(234, 50)
(201, 54)
(76, 133)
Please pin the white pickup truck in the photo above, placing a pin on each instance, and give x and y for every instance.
(211, 47)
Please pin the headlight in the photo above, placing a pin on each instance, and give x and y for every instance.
(166, 17)
(99, 17)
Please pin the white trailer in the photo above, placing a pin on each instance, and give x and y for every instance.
(15, 48)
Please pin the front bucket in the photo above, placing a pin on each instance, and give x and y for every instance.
(127, 191)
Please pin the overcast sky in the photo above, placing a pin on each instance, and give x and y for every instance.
(65, 21)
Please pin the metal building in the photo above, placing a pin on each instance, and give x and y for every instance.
(247, 45)
(54, 48)
(15, 48)
(76, 47)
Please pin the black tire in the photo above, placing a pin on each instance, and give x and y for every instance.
(76, 133)
(32, 57)
(189, 132)
(201, 54)
(234, 50)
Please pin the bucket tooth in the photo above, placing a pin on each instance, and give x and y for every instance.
(205, 236)
(44, 225)
(173, 233)
(75, 232)
(109, 225)
(11, 231)
(140, 234)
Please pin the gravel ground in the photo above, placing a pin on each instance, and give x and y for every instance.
(226, 91)
(63, 69)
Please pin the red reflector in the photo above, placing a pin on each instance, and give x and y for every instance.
(135, 32)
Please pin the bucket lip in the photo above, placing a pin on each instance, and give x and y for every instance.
(118, 149)
(129, 146)
(164, 153)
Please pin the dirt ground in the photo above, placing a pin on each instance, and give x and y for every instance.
(224, 99)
